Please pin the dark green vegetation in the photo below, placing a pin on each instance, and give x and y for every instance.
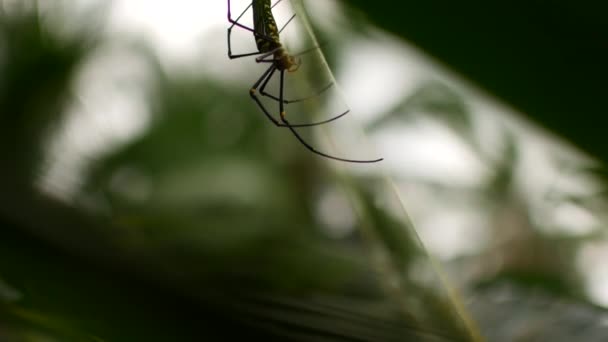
(545, 58)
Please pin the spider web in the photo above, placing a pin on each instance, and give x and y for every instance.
(397, 282)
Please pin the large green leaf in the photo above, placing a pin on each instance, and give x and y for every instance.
(546, 59)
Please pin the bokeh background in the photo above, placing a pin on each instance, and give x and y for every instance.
(144, 196)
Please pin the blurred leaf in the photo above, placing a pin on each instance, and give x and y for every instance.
(433, 99)
(546, 60)
(37, 68)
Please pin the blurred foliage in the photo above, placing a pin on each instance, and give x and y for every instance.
(207, 226)
(528, 253)
(548, 60)
(541, 316)
(432, 99)
(37, 68)
(180, 232)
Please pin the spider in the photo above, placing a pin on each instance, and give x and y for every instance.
(270, 50)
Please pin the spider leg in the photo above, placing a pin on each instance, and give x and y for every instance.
(319, 92)
(235, 22)
(264, 93)
(276, 3)
(266, 76)
(287, 23)
(302, 141)
(264, 59)
(254, 88)
(229, 34)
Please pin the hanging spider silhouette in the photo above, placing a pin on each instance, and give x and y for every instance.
(271, 51)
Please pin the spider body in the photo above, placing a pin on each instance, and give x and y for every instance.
(271, 51)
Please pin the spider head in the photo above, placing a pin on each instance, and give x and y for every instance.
(286, 61)
(294, 63)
